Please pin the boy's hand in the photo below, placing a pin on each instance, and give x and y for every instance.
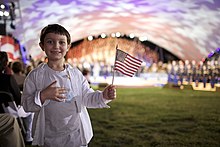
(53, 93)
(109, 93)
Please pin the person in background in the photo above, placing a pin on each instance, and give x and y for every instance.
(17, 69)
(10, 133)
(8, 69)
(7, 81)
(28, 69)
(86, 74)
(9, 84)
(59, 95)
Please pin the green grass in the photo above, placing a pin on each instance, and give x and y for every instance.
(158, 117)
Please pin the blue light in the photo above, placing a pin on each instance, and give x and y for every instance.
(217, 50)
(211, 54)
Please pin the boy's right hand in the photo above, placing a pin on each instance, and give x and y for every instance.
(53, 92)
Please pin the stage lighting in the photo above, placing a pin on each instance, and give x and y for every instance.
(103, 35)
(217, 50)
(211, 54)
(131, 36)
(7, 13)
(113, 35)
(90, 38)
(118, 34)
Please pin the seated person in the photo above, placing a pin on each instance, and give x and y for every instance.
(9, 84)
(7, 81)
(10, 133)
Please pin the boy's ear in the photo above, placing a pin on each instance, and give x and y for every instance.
(41, 46)
(68, 47)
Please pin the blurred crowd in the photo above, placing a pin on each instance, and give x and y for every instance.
(179, 72)
(185, 72)
(11, 86)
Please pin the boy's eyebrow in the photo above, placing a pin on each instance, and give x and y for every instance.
(65, 40)
(48, 37)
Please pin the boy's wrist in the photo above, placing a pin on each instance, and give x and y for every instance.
(42, 97)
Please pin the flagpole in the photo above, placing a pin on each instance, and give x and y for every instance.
(113, 76)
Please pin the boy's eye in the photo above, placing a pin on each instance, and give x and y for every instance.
(62, 42)
(54, 41)
(49, 41)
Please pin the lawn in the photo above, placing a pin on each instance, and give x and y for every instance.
(158, 117)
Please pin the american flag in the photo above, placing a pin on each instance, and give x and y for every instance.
(126, 64)
(12, 48)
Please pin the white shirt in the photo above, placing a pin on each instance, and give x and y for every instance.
(83, 96)
(61, 118)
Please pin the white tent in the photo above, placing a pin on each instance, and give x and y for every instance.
(187, 28)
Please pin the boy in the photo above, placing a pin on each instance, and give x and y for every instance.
(59, 95)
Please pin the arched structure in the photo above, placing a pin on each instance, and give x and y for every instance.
(189, 29)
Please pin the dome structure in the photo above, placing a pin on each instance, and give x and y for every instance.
(187, 28)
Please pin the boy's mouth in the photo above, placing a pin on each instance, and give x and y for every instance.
(55, 52)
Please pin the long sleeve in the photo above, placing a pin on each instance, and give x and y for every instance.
(31, 93)
(33, 84)
(90, 98)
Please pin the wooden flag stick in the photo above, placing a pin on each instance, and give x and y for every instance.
(113, 76)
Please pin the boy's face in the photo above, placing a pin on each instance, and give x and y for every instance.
(55, 46)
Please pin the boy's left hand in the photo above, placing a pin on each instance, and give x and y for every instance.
(109, 93)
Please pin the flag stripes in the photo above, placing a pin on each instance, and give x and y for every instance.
(120, 67)
(126, 64)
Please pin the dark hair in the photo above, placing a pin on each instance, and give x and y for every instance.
(17, 67)
(85, 71)
(54, 28)
(3, 60)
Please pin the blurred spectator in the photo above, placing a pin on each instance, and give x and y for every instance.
(8, 69)
(28, 69)
(8, 82)
(86, 74)
(18, 74)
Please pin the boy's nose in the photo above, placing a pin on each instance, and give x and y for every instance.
(56, 44)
